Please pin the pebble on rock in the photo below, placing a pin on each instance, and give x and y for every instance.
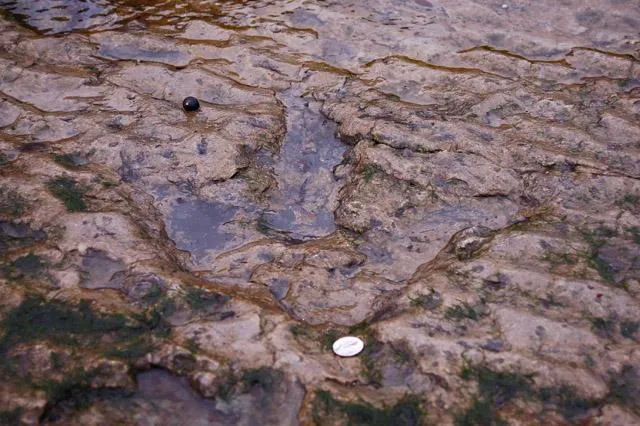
(190, 104)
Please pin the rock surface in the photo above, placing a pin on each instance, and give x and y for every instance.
(455, 182)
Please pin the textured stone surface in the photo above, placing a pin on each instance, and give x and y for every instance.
(455, 182)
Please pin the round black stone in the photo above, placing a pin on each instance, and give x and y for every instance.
(190, 104)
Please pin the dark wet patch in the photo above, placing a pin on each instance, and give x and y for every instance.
(613, 258)
(55, 16)
(629, 329)
(279, 287)
(34, 147)
(396, 366)
(258, 396)
(99, 269)
(129, 169)
(304, 171)
(61, 16)
(18, 235)
(589, 16)
(375, 253)
(425, 3)
(164, 389)
(202, 147)
(493, 345)
(304, 17)
(197, 227)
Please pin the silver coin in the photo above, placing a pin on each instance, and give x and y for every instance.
(348, 346)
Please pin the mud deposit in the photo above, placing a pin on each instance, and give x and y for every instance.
(455, 182)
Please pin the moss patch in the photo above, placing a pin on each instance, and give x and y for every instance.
(495, 389)
(596, 240)
(298, 330)
(73, 393)
(566, 400)
(263, 377)
(70, 192)
(199, 299)
(559, 258)
(461, 311)
(635, 234)
(328, 337)
(65, 160)
(30, 265)
(498, 385)
(427, 301)
(72, 325)
(601, 266)
(11, 417)
(629, 202)
(12, 204)
(624, 388)
(603, 327)
(368, 356)
(369, 171)
(628, 329)
(406, 412)
(264, 227)
(480, 413)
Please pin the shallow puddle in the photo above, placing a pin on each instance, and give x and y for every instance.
(60, 16)
(172, 394)
(198, 227)
(301, 205)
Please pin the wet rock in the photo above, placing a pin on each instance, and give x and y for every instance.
(100, 269)
(140, 48)
(201, 236)
(279, 288)
(537, 334)
(47, 129)
(494, 345)
(17, 235)
(473, 213)
(615, 264)
(169, 85)
(47, 92)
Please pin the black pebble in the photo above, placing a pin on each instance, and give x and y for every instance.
(190, 104)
